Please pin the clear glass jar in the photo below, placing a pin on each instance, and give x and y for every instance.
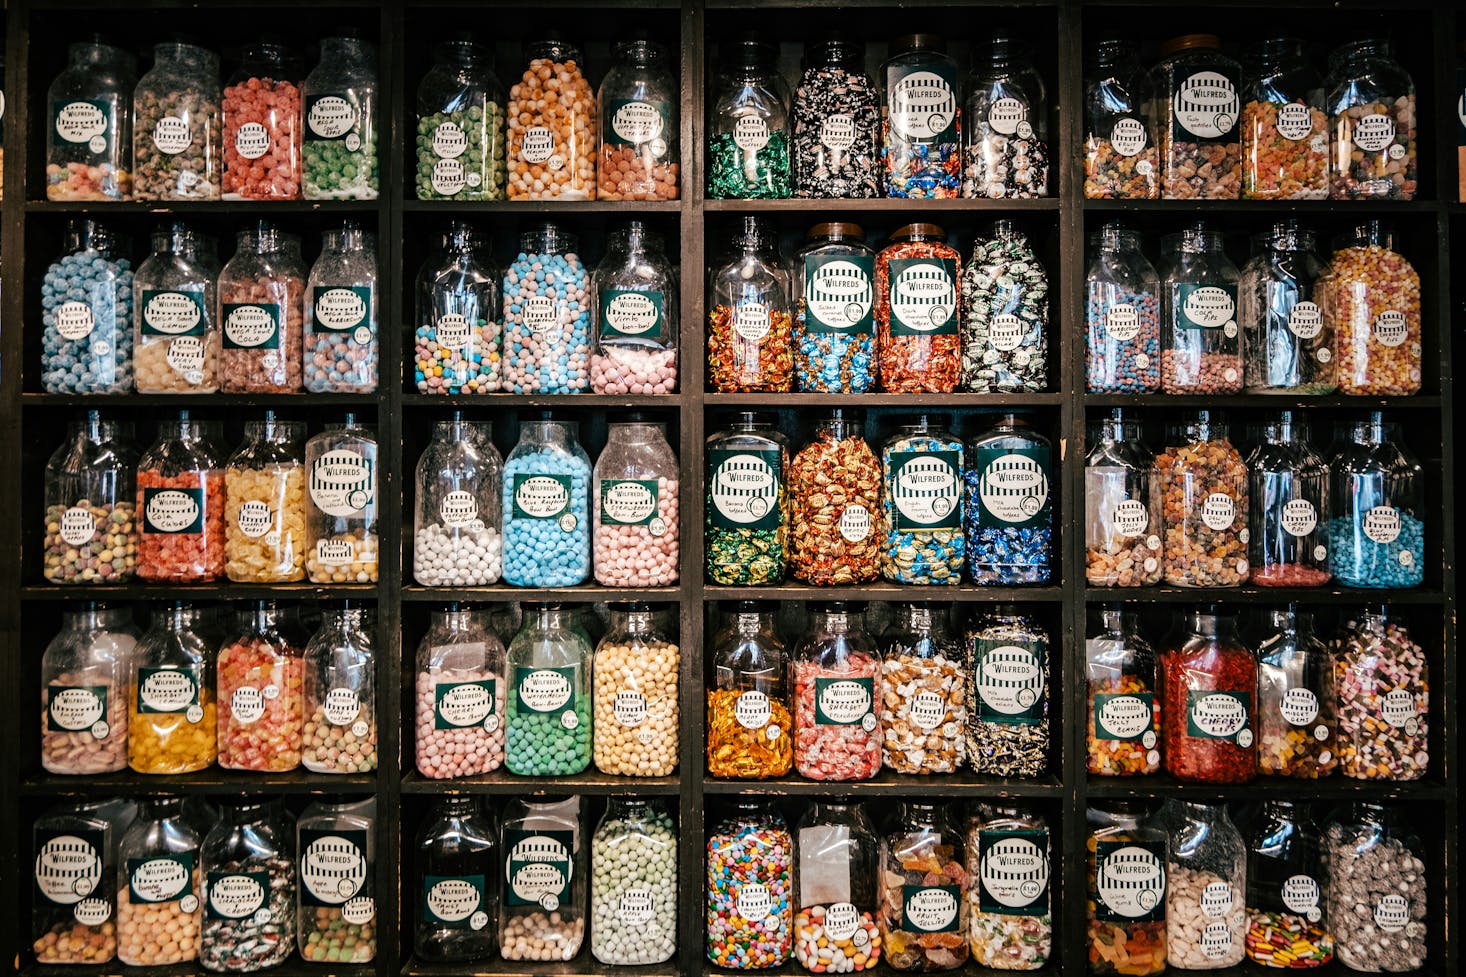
(85, 672)
(923, 699)
(923, 924)
(458, 881)
(750, 872)
(921, 120)
(249, 883)
(748, 132)
(1202, 344)
(340, 95)
(750, 734)
(1121, 158)
(1370, 296)
(547, 315)
(461, 689)
(1122, 732)
(547, 507)
(1288, 341)
(176, 333)
(1206, 885)
(1010, 505)
(552, 125)
(1376, 538)
(1008, 691)
(86, 313)
(1126, 890)
(1122, 326)
(91, 520)
(264, 491)
(341, 314)
(747, 508)
(1195, 88)
(1210, 694)
(633, 908)
(172, 726)
(261, 312)
(1006, 131)
(337, 911)
(1288, 519)
(551, 699)
(918, 301)
(635, 690)
(1371, 106)
(922, 506)
(341, 507)
(834, 927)
(89, 152)
(543, 914)
(1285, 139)
(458, 521)
(1005, 311)
(1295, 698)
(261, 693)
(639, 125)
(1285, 890)
(340, 733)
(1382, 685)
(460, 125)
(180, 491)
(1202, 482)
(834, 332)
(636, 316)
(1008, 869)
(457, 342)
(1122, 506)
(837, 123)
(835, 488)
(74, 847)
(1375, 867)
(835, 673)
(176, 129)
(159, 881)
(262, 125)
(750, 320)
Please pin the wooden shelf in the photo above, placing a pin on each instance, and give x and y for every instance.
(503, 782)
(963, 785)
(214, 780)
(202, 591)
(962, 593)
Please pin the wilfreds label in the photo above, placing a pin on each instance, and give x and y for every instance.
(82, 121)
(1010, 683)
(462, 704)
(1218, 511)
(78, 526)
(837, 132)
(751, 132)
(1125, 716)
(329, 117)
(923, 296)
(161, 878)
(838, 293)
(1382, 524)
(1301, 896)
(168, 690)
(1128, 137)
(449, 140)
(922, 104)
(752, 710)
(744, 487)
(634, 122)
(633, 314)
(237, 895)
(1391, 328)
(73, 708)
(1295, 121)
(538, 867)
(171, 135)
(68, 865)
(74, 320)
(247, 704)
(342, 706)
(928, 709)
(542, 496)
(636, 906)
(930, 908)
(1130, 880)
(538, 144)
(1299, 706)
(845, 702)
(1013, 871)
(926, 489)
(630, 502)
(841, 921)
(1219, 716)
(1005, 332)
(343, 482)
(1392, 912)
(1373, 133)
(173, 510)
(754, 902)
(333, 866)
(251, 140)
(459, 509)
(342, 308)
(454, 900)
(1205, 105)
(1005, 114)
(1398, 708)
(251, 325)
(1131, 519)
(1305, 320)
(173, 312)
(449, 177)
(544, 689)
(1300, 517)
(1207, 306)
(751, 321)
(1122, 322)
(1013, 491)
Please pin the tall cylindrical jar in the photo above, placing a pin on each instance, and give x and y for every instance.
(1005, 311)
(264, 507)
(547, 507)
(1286, 889)
(460, 125)
(921, 119)
(837, 123)
(750, 315)
(923, 695)
(834, 334)
(457, 516)
(547, 315)
(1122, 506)
(85, 672)
(1008, 692)
(922, 505)
(1206, 886)
(1382, 685)
(836, 678)
(1124, 702)
(336, 912)
(1288, 342)
(747, 506)
(340, 734)
(180, 493)
(1202, 482)
(339, 152)
(176, 139)
(177, 334)
(550, 696)
(1006, 154)
(1370, 296)
(918, 299)
(341, 510)
(1288, 517)
(457, 346)
(1295, 699)
(543, 914)
(263, 125)
(1201, 342)
(633, 886)
(1122, 325)
(91, 505)
(748, 132)
(1195, 91)
(1376, 537)
(172, 726)
(923, 890)
(834, 928)
(1372, 109)
(750, 888)
(1210, 696)
(835, 488)
(750, 733)
(1009, 870)
(634, 687)
(89, 111)
(1125, 872)
(1285, 138)
(551, 150)
(458, 881)
(1121, 159)
(262, 313)
(87, 313)
(159, 883)
(462, 688)
(637, 102)
(260, 677)
(636, 316)
(341, 314)
(1010, 505)
(250, 881)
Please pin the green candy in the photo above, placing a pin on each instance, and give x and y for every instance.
(460, 155)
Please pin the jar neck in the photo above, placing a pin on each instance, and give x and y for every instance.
(1112, 620)
(837, 428)
(181, 617)
(454, 619)
(633, 433)
(161, 808)
(753, 620)
(1213, 624)
(547, 432)
(342, 619)
(635, 620)
(91, 617)
(921, 815)
(923, 618)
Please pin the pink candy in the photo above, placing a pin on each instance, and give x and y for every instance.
(622, 370)
(459, 732)
(639, 555)
(833, 738)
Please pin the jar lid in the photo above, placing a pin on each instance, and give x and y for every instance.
(1187, 42)
(837, 230)
(918, 42)
(752, 417)
(1110, 51)
(919, 231)
(750, 50)
(1002, 49)
(833, 47)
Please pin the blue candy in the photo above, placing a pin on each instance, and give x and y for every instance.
(86, 339)
(546, 528)
(1356, 560)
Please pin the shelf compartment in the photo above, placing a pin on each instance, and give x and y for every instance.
(963, 593)
(125, 401)
(1428, 402)
(1330, 788)
(600, 401)
(882, 205)
(923, 402)
(201, 591)
(103, 208)
(503, 782)
(1250, 594)
(583, 594)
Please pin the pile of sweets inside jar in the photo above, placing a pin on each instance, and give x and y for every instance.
(922, 170)
(837, 122)
(263, 333)
(1008, 700)
(1206, 740)
(1288, 161)
(261, 701)
(176, 151)
(1301, 742)
(750, 735)
(552, 132)
(264, 524)
(86, 312)
(172, 548)
(1005, 159)
(918, 339)
(1206, 920)
(643, 371)
(181, 740)
(835, 489)
(750, 883)
(922, 509)
(750, 163)
(553, 551)
(818, 949)
(445, 555)
(999, 554)
(1124, 717)
(1123, 166)
(459, 722)
(1371, 294)
(1204, 510)
(460, 153)
(642, 166)
(542, 936)
(1377, 900)
(547, 313)
(76, 942)
(1005, 309)
(633, 890)
(636, 711)
(548, 744)
(262, 136)
(906, 871)
(91, 543)
(923, 712)
(1195, 170)
(156, 933)
(837, 734)
(1122, 340)
(1383, 549)
(1375, 150)
(255, 941)
(1287, 941)
(340, 735)
(1382, 687)
(328, 936)
(750, 348)
(339, 156)
(745, 557)
(637, 533)
(83, 725)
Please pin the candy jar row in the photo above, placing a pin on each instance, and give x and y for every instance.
(191, 691)
(838, 514)
(846, 319)
(1200, 125)
(181, 513)
(842, 705)
(164, 881)
(181, 324)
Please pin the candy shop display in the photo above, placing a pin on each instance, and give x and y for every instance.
(458, 519)
(341, 313)
(1122, 506)
(542, 916)
(917, 311)
(837, 123)
(262, 125)
(180, 492)
(176, 335)
(547, 315)
(835, 487)
(457, 888)
(1008, 870)
(261, 694)
(1209, 679)
(750, 878)
(457, 342)
(86, 313)
(1372, 111)
(1289, 342)
(1201, 340)
(921, 119)
(336, 914)
(460, 125)
(1122, 690)
(341, 512)
(1005, 311)
(923, 692)
(1197, 110)
(746, 533)
(1286, 927)
(159, 882)
(547, 540)
(85, 672)
(1375, 536)
(836, 674)
(834, 332)
(1010, 505)
(462, 684)
(1296, 729)
(75, 847)
(89, 114)
(750, 303)
(1125, 897)
(176, 126)
(1376, 898)
(922, 504)
(748, 132)
(835, 929)
(340, 734)
(248, 863)
(636, 315)
(1005, 154)
(1008, 691)
(634, 508)
(264, 504)
(262, 313)
(923, 891)
(637, 103)
(1122, 325)
(550, 695)
(1370, 295)
(1285, 133)
(1206, 882)
(634, 691)
(1202, 482)
(172, 726)
(91, 514)
(1288, 518)
(339, 96)
(1382, 684)
(551, 149)
(750, 734)
(1121, 160)
(633, 885)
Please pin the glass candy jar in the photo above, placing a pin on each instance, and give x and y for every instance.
(1376, 536)
(1008, 870)
(1382, 686)
(1122, 326)
(748, 133)
(835, 488)
(746, 532)
(264, 493)
(635, 693)
(1210, 696)
(462, 683)
(337, 912)
(750, 734)
(1376, 875)
(1122, 688)
(923, 692)
(75, 849)
(1206, 885)
(460, 125)
(551, 151)
(91, 515)
(750, 316)
(262, 313)
(636, 296)
(1126, 891)
(85, 672)
(1005, 311)
(1370, 297)
(176, 135)
(1286, 889)
(550, 695)
(87, 313)
(546, 507)
(159, 882)
(1289, 343)
(457, 342)
(180, 492)
(1285, 139)
(1122, 507)
(458, 881)
(1295, 698)
(1121, 161)
(834, 333)
(339, 153)
(1372, 109)
(923, 891)
(176, 332)
(1202, 482)
(547, 315)
(1006, 154)
(1010, 505)
(89, 148)
(639, 126)
(458, 521)
(633, 910)
(750, 882)
(1288, 489)
(341, 314)
(922, 506)
(1194, 87)
(921, 120)
(261, 693)
(918, 300)
(172, 726)
(340, 734)
(634, 507)
(249, 883)
(1008, 692)
(834, 928)
(543, 913)
(835, 674)
(341, 505)
(1202, 345)
(837, 122)
(262, 125)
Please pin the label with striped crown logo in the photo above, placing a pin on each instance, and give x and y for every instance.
(838, 293)
(743, 485)
(333, 866)
(538, 867)
(922, 104)
(1205, 106)
(1013, 871)
(342, 482)
(1013, 487)
(1130, 881)
(1010, 682)
(923, 296)
(926, 489)
(68, 865)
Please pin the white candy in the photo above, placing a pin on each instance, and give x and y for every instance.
(471, 556)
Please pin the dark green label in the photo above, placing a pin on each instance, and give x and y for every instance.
(931, 908)
(921, 103)
(74, 708)
(454, 900)
(333, 866)
(1124, 716)
(545, 690)
(839, 294)
(173, 510)
(537, 867)
(251, 325)
(1220, 715)
(1013, 871)
(1204, 105)
(161, 878)
(1130, 881)
(1202, 306)
(1010, 681)
(68, 867)
(845, 702)
(743, 488)
(342, 308)
(166, 690)
(635, 122)
(238, 895)
(543, 497)
(633, 314)
(926, 489)
(923, 296)
(1013, 487)
(459, 705)
(83, 122)
(631, 502)
(173, 312)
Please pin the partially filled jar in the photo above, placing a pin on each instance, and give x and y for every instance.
(1376, 538)
(1288, 342)
(341, 513)
(177, 333)
(1122, 506)
(750, 732)
(91, 505)
(1288, 520)
(264, 517)
(748, 132)
(750, 315)
(918, 299)
(85, 672)
(1201, 341)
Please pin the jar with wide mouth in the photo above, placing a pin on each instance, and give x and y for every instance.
(548, 307)
(340, 735)
(1286, 889)
(1285, 133)
(834, 333)
(85, 672)
(159, 882)
(262, 313)
(1006, 130)
(341, 513)
(746, 535)
(1372, 111)
(264, 516)
(1125, 890)
(837, 122)
(341, 313)
(1123, 691)
(1122, 506)
(1009, 868)
(1295, 698)
(635, 286)
(748, 132)
(635, 691)
(462, 691)
(457, 342)
(1008, 691)
(638, 103)
(1376, 538)
(750, 730)
(921, 120)
(1288, 341)
(1206, 886)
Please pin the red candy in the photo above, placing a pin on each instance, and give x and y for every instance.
(261, 705)
(180, 556)
(827, 744)
(262, 165)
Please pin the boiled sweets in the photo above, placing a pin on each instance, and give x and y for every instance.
(750, 878)
(264, 516)
(457, 344)
(1005, 312)
(262, 126)
(547, 508)
(89, 124)
(339, 152)
(547, 315)
(341, 313)
(261, 294)
(634, 507)
(1376, 891)
(837, 124)
(86, 314)
(177, 126)
(460, 126)
(635, 688)
(552, 127)
(177, 335)
(633, 884)
(922, 506)
(637, 102)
